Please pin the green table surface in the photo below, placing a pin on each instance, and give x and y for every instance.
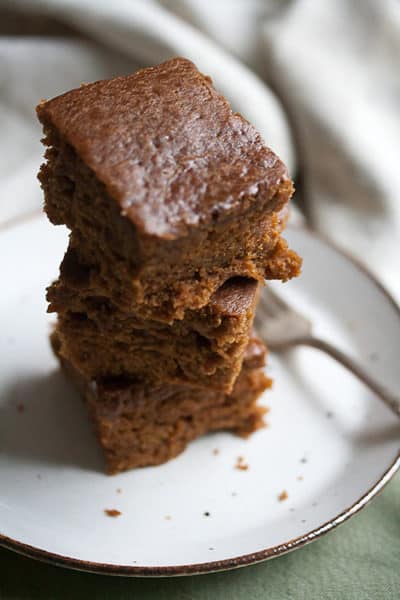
(360, 560)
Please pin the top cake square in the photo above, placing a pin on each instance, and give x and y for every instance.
(156, 176)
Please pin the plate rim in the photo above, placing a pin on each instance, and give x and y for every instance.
(205, 567)
(245, 559)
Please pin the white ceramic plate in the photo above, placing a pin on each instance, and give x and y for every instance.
(330, 445)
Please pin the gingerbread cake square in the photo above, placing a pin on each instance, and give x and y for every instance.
(206, 348)
(138, 426)
(167, 192)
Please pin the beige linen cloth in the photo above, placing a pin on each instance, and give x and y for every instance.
(333, 114)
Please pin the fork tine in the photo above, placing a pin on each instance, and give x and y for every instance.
(277, 323)
(264, 310)
(272, 302)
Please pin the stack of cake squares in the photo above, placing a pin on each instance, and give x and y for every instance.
(175, 209)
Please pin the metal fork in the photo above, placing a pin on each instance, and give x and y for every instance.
(281, 328)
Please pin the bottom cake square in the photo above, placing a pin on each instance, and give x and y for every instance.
(138, 425)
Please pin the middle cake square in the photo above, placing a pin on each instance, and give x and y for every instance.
(206, 348)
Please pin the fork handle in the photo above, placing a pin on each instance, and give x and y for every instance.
(391, 401)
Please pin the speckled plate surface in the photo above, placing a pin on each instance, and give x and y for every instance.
(330, 445)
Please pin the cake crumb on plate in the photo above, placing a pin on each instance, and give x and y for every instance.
(241, 464)
(112, 512)
(283, 496)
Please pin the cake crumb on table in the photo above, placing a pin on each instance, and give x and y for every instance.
(300, 478)
(216, 451)
(241, 464)
(168, 517)
(112, 512)
(283, 496)
(119, 491)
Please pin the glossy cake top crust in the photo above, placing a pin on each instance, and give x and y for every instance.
(167, 147)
